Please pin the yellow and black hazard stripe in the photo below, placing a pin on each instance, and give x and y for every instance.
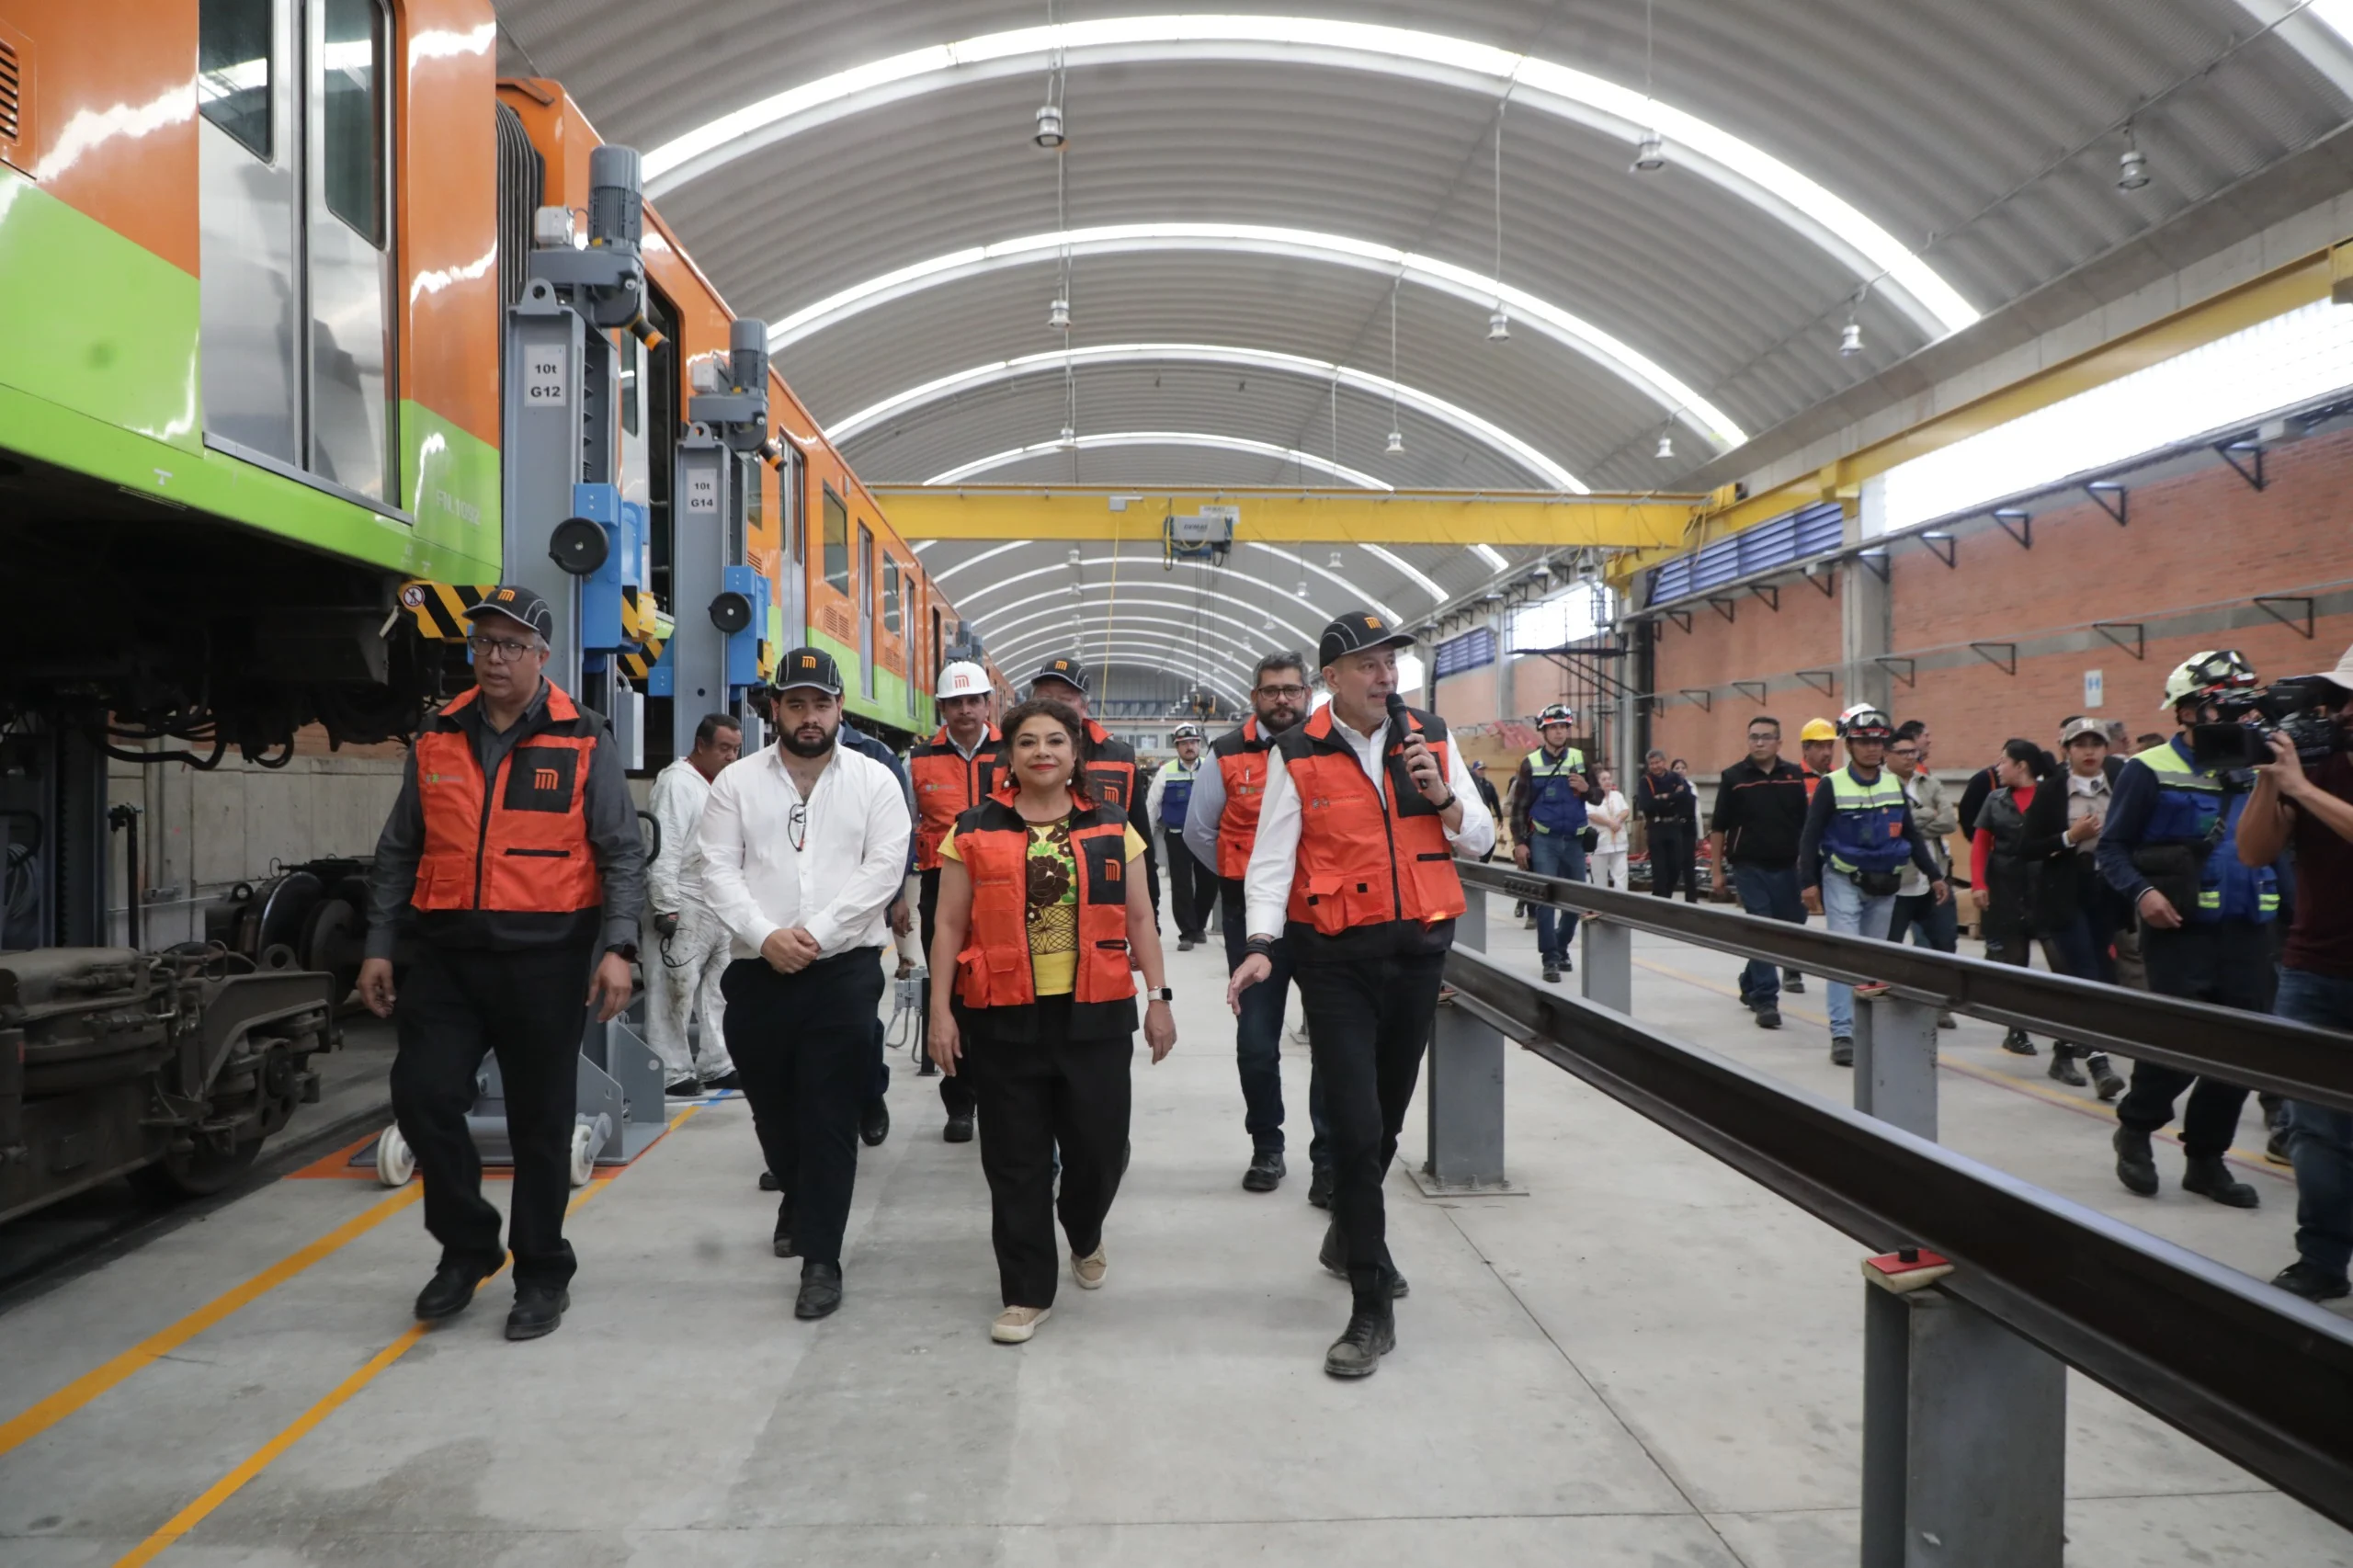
(439, 608)
(637, 661)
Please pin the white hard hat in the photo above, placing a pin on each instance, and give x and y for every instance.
(962, 678)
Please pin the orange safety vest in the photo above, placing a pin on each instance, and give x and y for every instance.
(1242, 766)
(1109, 771)
(1364, 860)
(948, 785)
(993, 970)
(517, 842)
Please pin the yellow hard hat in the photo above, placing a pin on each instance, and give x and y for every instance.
(1818, 730)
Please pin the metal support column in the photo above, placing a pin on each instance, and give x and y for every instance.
(1895, 1062)
(1609, 975)
(1964, 1438)
(1465, 1098)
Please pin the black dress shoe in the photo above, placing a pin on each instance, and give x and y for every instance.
(1371, 1334)
(2303, 1279)
(684, 1089)
(769, 1182)
(1265, 1172)
(449, 1292)
(539, 1309)
(727, 1080)
(875, 1125)
(1319, 1187)
(958, 1129)
(821, 1290)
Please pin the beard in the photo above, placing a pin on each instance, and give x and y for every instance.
(792, 741)
(1274, 723)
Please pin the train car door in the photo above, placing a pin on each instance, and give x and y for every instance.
(294, 185)
(865, 612)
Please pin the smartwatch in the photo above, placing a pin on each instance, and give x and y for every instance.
(1164, 994)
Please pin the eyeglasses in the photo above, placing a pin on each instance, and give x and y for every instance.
(796, 827)
(1904, 751)
(499, 650)
(1283, 693)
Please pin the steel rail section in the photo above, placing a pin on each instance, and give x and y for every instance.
(2257, 1375)
(2252, 1048)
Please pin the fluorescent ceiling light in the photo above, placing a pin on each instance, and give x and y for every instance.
(941, 576)
(1402, 564)
(1747, 171)
(1455, 417)
(1162, 439)
(1646, 375)
(1491, 555)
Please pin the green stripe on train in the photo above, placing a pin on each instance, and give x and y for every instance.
(101, 378)
(888, 703)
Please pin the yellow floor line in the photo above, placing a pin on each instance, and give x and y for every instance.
(261, 1458)
(31, 1422)
(2097, 1109)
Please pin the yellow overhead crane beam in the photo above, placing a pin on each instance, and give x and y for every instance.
(1540, 518)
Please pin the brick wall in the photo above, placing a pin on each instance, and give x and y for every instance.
(2200, 547)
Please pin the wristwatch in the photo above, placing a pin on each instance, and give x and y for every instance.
(1164, 993)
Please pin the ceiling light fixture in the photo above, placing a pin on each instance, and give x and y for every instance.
(1498, 322)
(1396, 437)
(1851, 339)
(1049, 133)
(1650, 153)
(1396, 443)
(1335, 562)
(2132, 169)
(1665, 444)
(1074, 556)
(1068, 440)
(1058, 316)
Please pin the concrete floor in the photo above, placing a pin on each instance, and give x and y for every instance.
(1646, 1361)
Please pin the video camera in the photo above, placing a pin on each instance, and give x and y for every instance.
(2304, 709)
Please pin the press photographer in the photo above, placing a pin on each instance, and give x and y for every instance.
(2303, 796)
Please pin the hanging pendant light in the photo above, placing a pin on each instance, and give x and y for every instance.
(1851, 339)
(1049, 133)
(1498, 322)
(1068, 439)
(1667, 443)
(1336, 561)
(1396, 443)
(1499, 325)
(1058, 316)
(2132, 169)
(1650, 155)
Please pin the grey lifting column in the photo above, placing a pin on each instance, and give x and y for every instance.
(1465, 1095)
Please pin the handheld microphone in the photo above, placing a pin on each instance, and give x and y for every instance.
(1400, 726)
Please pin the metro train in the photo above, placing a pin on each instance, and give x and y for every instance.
(255, 263)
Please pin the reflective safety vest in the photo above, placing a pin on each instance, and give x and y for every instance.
(993, 969)
(1555, 806)
(1365, 859)
(1241, 757)
(2196, 808)
(1109, 770)
(1866, 832)
(947, 785)
(1176, 793)
(517, 842)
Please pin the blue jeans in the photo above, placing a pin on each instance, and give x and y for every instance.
(1555, 855)
(1846, 911)
(1772, 891)
(2321, 1141)
(1258, 1046)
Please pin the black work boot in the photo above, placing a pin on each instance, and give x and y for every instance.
(1265, 1172)
(2136, 1166)
(1371, 1334)
(449, 1292)
(2063, 1066)
(2208, 1176)
(1319, 1187)
(2104, 1082)
(538, 1310)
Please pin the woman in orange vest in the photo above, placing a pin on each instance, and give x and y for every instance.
(1042, 920)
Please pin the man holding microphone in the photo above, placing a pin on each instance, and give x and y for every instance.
(1353, 872)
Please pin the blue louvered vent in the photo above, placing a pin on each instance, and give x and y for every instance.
(1793, 536)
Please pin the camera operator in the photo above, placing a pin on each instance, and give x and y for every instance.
(2169, 847)
(2307, 799)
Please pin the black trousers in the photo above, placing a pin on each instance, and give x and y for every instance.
(1192, 887)
(457, 1005)
(805, 1045)
(955, 1092)
(1036, 1095)
(1671, 864)
(1369, 1015)
(2227, 962)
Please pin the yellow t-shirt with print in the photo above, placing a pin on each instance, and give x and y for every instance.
(1053, 904)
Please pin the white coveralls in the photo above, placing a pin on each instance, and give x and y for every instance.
(689, 969)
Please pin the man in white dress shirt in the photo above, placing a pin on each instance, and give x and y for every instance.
(685, 949)
(803, 849)
(1353, 871)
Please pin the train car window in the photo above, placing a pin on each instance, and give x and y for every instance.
(836, 541)
(892, 622)
(233, 68)
(355, 116)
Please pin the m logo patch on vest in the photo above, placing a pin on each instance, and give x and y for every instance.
(540, 778)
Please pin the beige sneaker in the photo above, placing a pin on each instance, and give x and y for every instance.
(1016, 1324)
(1089, 1270)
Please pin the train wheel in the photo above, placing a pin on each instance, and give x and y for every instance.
(394, 1162)
(198, 1173)
(584, 1158)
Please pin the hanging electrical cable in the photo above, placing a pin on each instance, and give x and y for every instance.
(1650, 155)
(1396, 437)
(1500, 322)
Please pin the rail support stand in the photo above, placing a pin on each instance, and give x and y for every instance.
(1895, 1062)
(1608, 976)
(1465, 1098)
(1964, 1438)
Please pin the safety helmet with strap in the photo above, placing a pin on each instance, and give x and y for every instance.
(1864, 722)
(1557, 713)
(2203, 675)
